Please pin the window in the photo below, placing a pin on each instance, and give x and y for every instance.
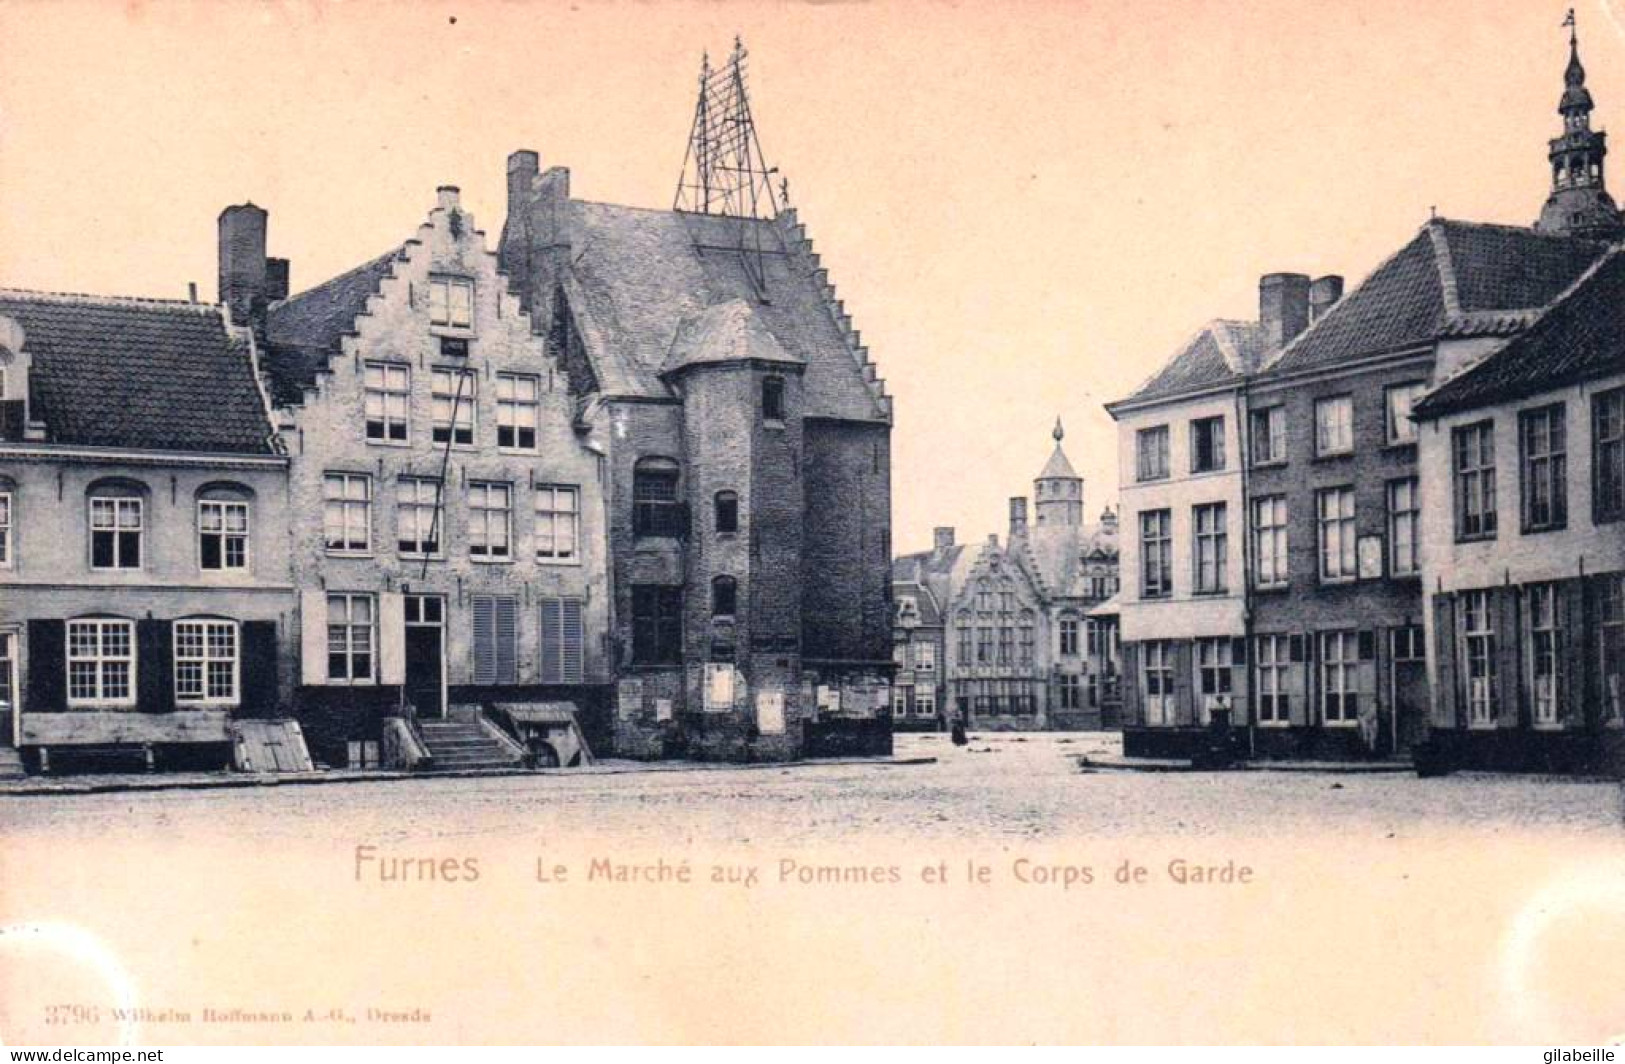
(655, 509)
(1151, 445)
(1269, 540)
(518, 400)
(1335, 508)
(453, 396)
(984, 645)
(1211, 547)
(5, 530)
(496, 638)
(1269, 435)
(726, 513)
(772, 398)
(1608, 455)
(1069, 637)
(1334, 425)
(1158, 678)
(1070, 691)
(1404, 528)
(419, 522)
(1474, 447)
(1611, 646)
(347, 513)
(1213, 665)
(1156, 553)
(965, 640)
(1397, 401)
(925, 657)
(558, 523)
(490, 520)
(1339, 665)
(1207, 444)
(925, 702)
(101, 662)
(657, 625)
(1409, 644)
(724, 596)
(387, 401)
(1274, 659)
(1542, 446)
(1541, 605)
(115, 532)
(8, 663)
(361, 753)
(1028, 641)
(206, 662)
(451, 302)
(1478, 647)
(1007, 645)
(222, 534)
(350, 638)
(899, 701)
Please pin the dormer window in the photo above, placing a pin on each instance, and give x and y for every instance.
(451, 302)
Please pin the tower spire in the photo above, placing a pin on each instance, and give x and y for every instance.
(1579, 204)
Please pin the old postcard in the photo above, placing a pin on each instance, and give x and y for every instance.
(811, 522)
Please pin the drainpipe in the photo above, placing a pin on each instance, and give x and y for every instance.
(1247, 563)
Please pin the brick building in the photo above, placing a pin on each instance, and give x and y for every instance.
(144, 579)
(747, 442)
(1524, 540)
(450, 550)
(921, 584)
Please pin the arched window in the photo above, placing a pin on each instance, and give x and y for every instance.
(656, 510)
(118, 521)
(726, 509)
(222, 526)
(724, 596)
(772, 398)
(208, 659)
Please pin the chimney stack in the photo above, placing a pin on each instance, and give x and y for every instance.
(1283, 307)
(1325, 292)
(1018, 516)
(242, 263)
(522, 169)
(942, 538)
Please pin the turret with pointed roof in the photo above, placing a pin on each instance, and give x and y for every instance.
(1579, 204)
(1058, 490)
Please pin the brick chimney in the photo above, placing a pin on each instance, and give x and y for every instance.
(1283, 307)
(1018, 516)
(1325, 292)
(243, 286)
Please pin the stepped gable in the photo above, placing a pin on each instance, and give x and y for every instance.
(305, 330)
(144, 374)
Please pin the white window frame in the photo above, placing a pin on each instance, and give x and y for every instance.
(1397, 400)
(1157, 660)
(1152, 463)
(1337, 535)
(208, 637)
(1478, 664)
(100, 659)
(1340, 677)
(1213, 428)
(1334, 425)
(1163, 542)
(351, 510)
(925, 701)
(341, 605)
(1068, 631)
(120, 505)
(483, 545)
(1610, 647)
(1270, 541)
(449, 312)
(925, 657)
(1210, 548)
(409, 517)
(453, 416)
(223, 508)
(1404, 527)
(548, 514)
(517, 413)
(1273, 449)
(387, 392)
(1472, 450)
(1543, 466)
(1274, 662)
(1543, 652)
(7, 521)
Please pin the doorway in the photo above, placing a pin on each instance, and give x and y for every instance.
(426, 654)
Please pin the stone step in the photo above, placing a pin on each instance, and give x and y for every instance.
(11, 764)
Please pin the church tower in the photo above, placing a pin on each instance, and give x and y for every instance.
(1058, 490)
(1579, 204)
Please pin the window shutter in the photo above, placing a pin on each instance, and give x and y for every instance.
(573, 642)
(1509, 659)
(507, 639)
(1446, 698)
(1572, 681)
(257, 674)
(154, 667)
(483, 610)
(1368, 645)
(1133, 714)
(1184, 689)
(313, 637)
(1295, 649)
(47, 688)
(1307, 710)
(392, 638)
(552, 641)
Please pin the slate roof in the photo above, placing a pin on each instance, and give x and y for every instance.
(139, 374)
(1452, 279)
(303, 331)
(725, 332)
(1580, 337)
(1221, 351)
(1055, 555)
(1058, 467)
(931, 571)
(637, 275)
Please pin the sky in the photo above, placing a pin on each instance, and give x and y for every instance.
(1026, 206)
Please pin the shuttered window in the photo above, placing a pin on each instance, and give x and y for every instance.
(562, 639)
(496, 638)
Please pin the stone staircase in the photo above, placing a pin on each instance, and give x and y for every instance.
(11, 764)
(458, 745)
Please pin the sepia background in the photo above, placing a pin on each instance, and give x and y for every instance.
(1027, 206)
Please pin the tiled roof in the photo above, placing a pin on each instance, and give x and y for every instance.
(724, 332)
(1580, 337)
(304, 330)
(1452, 279)
(636, 275)
(1219, 353)
(137, 373)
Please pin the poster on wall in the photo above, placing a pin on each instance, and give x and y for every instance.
(629, 698)
(770, 712)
